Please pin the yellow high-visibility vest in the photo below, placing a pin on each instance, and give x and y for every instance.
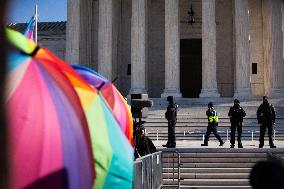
(213, 117)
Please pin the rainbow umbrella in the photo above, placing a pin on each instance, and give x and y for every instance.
(48, 132)
(113, 154)
(113, 98)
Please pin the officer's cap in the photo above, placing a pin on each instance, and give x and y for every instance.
(264, 97)
(236, 101)
(210, 104)
(170, 98)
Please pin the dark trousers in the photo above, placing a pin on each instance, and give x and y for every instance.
(211, 128)
(262, 133)
(171, 133)
(236, 126)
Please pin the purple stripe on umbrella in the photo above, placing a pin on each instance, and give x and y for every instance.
(74, 149)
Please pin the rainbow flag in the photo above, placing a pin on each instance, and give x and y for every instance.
(29, 31)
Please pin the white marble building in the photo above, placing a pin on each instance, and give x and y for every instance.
(233, 49)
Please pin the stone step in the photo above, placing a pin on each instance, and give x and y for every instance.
(219, 175)
(212, 165)
(204, 125)
(184, 160)
(201, 132)
(205, 187)
(207, 170)
(209, 182)
(228, 154)
(200, 139)
(198, 129)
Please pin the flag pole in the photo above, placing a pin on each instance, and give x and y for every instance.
(36, 24)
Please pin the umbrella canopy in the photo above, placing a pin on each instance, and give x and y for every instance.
(113, 154)
(113, 98)
(48, 131)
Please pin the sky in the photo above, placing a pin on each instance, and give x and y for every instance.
(21, 11)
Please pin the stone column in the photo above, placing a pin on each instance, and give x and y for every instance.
(242, 53)
(138, 46)
(73, 31)
(105, 39)
(209, 79)
(172, 49)
(275, 60)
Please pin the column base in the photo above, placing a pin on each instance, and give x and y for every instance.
(171, 92)
(209, 93)
(243, 93)
(137, 91)
(276, 93)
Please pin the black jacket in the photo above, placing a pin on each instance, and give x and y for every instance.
(145, 146)
(171, 113)
(266, 113)
(236, 114)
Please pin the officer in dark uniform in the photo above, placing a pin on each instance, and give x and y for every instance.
(212, 125)
(144, 145)
(266, 119)
(171, 116)
(236, 115)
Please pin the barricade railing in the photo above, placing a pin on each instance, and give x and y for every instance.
(173, 157)
(148, 172)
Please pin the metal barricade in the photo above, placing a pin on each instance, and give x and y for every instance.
(174, 158)
(148, 172)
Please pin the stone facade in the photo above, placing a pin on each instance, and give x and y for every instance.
(238, 44)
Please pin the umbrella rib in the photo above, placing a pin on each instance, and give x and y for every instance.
(101, 85)
(114, 80)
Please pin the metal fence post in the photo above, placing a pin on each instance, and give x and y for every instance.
(178, 170)
(227, 135)
(252, 135)
(157, 135)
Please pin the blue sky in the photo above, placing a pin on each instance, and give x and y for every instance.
(48, 10)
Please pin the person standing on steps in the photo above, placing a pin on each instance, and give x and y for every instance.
(236, 115)
(266, 119)
(171, 116)
(212, 125)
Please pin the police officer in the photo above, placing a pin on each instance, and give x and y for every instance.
(236, 115)
(212, 125)
(171, 116)
(266, 119)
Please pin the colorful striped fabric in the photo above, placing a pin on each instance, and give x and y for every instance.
(113, 98)
(29, 31)
(49, 137)
(112, 152)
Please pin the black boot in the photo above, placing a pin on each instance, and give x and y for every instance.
(232, 146)
(221, 143)
(204, 144)
(240, 145)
